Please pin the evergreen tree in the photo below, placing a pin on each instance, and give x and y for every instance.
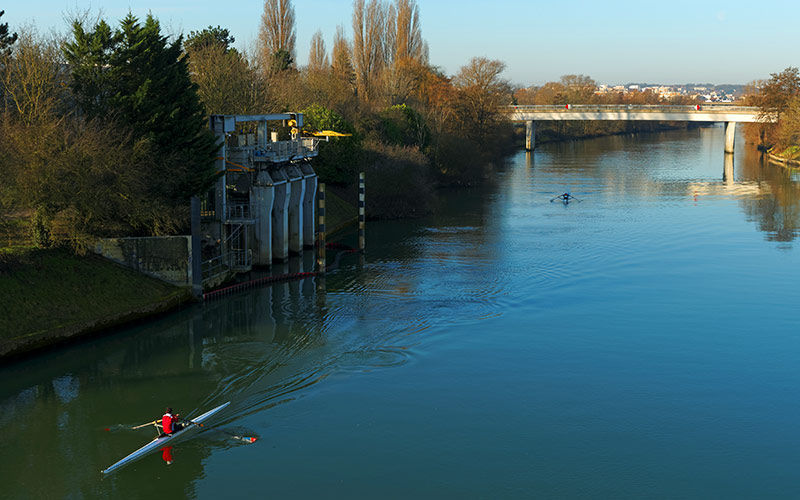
(6, 40)
(136, 77)
(208, 37)
(281, 61)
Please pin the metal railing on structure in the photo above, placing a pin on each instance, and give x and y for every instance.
(232, 260)
(238, 211)
(214, 267)
(284, 149)
(641, 108)
(241, 259)
(311, 143)
(207, 209)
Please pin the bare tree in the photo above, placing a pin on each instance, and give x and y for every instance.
(318, 55)
(341, 63)
(226, 82)
(482, 74)
(369, 33)
(277, 32)
(408, 40)
(481, 93)
(389, 14)
(32, 79)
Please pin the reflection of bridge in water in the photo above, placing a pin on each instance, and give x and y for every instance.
(728, 114)
(728, 186)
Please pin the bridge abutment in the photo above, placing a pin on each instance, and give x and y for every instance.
(530, 135)
(730, 135)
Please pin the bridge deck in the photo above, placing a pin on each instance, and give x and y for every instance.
(705, 113)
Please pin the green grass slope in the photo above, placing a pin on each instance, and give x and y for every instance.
(47, 296)
(338, 212)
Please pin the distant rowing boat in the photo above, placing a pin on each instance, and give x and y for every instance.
(160, 442)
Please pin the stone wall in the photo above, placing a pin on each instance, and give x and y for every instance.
(168, 258)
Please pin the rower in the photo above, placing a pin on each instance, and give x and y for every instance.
(169, 422)
(566, 198)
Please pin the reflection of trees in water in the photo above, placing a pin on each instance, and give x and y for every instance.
(778, 213)
(767, 193)
(257, 349)
(54, 407)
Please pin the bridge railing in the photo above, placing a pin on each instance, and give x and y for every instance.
(640, 108)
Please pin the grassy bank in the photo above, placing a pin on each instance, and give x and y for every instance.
(338, 212)
(48, 296)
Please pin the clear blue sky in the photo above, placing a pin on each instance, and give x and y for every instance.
(612, 41)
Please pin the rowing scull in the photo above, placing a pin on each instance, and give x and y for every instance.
(162, 441)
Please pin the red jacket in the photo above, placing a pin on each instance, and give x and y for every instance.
(166, 422)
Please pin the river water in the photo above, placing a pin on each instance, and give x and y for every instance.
(642, 341)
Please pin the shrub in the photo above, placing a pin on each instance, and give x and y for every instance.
(40, 229)
(403, 126)
(398, 181)
(340, 158)
(459, 162)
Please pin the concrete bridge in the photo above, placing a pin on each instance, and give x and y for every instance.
(726, 113)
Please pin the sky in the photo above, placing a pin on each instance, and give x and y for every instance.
(612, 41)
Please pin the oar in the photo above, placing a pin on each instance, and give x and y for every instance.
(145, 425)
(192, 422)
(244, 439)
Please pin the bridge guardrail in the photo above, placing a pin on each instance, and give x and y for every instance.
(653, 108)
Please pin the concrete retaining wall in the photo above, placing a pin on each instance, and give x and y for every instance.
(168, 258)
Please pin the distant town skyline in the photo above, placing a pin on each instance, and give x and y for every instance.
(614, 42)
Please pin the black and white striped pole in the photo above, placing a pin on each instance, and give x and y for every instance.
(361, 212)
(321, 229)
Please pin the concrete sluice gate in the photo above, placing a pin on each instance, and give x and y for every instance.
(262, 208)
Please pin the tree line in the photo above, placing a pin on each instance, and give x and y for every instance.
(777, 97)
(413, 127)
(101, 134)
(104, 132)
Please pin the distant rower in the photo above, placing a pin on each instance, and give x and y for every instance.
(566, 198)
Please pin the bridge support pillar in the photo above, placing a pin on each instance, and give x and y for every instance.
(262, 195)
(309, 205)
(280, 215)
(530, 135)
(730, 134)
(296, 209)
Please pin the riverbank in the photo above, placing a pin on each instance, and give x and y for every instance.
(52, 296)
(790, 157)
(49, 297)
(339, 213)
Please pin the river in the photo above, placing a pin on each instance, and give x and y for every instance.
(641, 341)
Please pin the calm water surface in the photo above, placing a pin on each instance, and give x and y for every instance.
(640, 343)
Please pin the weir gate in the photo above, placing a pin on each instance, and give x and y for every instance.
(730, 115)
(262, 207)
